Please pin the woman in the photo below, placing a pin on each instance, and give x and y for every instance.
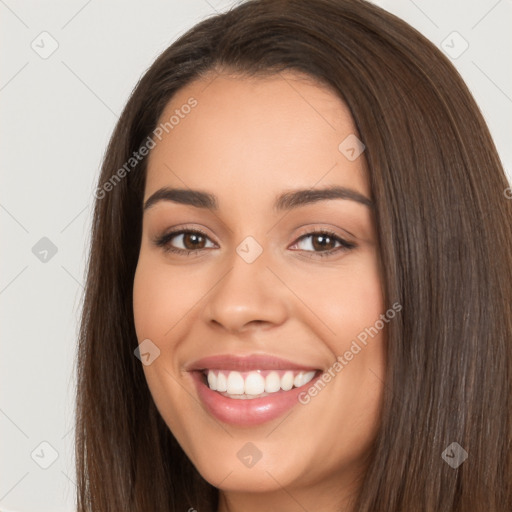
(299, 292)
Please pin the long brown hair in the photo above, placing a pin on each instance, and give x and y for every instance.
(444, 227)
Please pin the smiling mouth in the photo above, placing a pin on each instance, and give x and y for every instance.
(255, 384)
(252, 389)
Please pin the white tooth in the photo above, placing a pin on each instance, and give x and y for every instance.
(235, 384)
(307, 377)
(297, 382)
(272, 382)
(287, 381)
(222, 384)
(212, 380)
(254, 384)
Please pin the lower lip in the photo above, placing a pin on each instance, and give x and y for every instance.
(251, 411)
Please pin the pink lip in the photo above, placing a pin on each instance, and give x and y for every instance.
(246, 363)
(252, 411)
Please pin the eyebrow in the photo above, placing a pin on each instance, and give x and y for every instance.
(285, 201)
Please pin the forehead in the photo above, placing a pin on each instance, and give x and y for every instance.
(258, 134)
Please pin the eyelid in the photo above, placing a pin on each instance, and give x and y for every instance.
(180, 229)
(335, 231)
(326, 228)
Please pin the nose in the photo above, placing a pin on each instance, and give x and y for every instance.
(247, 295)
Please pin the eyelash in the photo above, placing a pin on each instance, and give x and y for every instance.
(164, 242)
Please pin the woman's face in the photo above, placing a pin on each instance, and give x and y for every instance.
(280, 285)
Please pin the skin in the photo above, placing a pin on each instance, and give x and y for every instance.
(246, 141)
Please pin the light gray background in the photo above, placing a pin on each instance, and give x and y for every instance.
(58, 113)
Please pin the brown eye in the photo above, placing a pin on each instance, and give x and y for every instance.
(190, 241)
(323, 243)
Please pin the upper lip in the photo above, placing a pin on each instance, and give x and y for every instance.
(245, 363)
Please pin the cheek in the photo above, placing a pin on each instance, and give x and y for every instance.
(161, 296)
(350, 303)
(148, 292)
(360, 339)
(160, 300)
(360, 301)
(346, 301)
